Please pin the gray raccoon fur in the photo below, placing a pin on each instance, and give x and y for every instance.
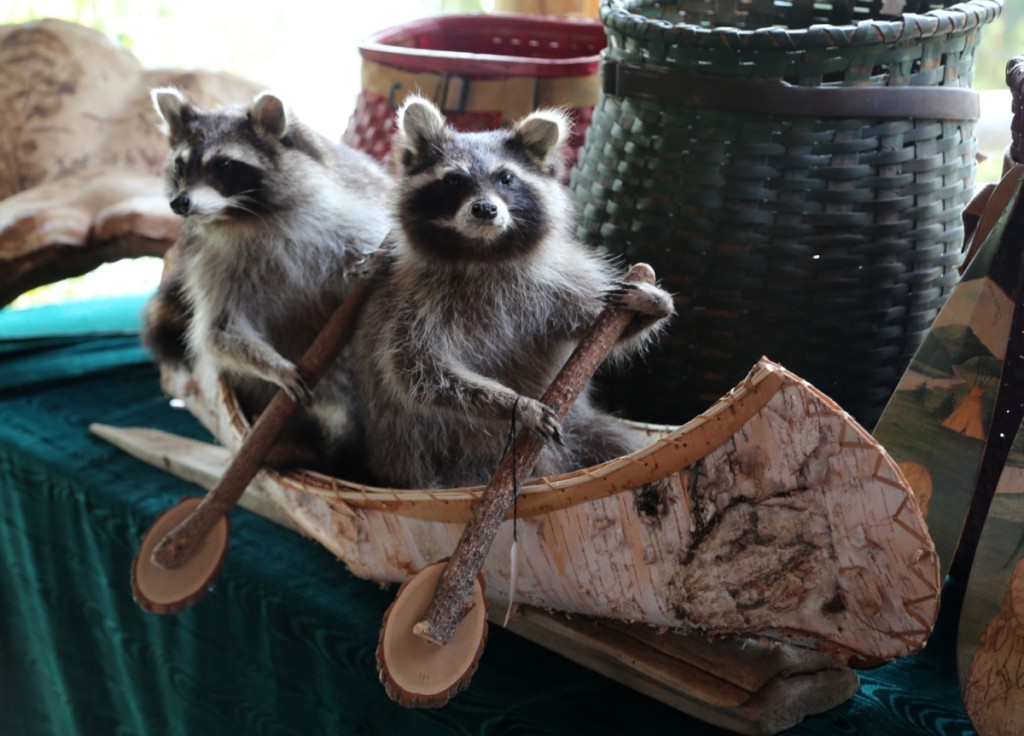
(166, 315)
(483, 296)
(276, 219)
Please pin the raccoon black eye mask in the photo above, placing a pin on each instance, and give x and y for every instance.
(483, 212)
(237, 179)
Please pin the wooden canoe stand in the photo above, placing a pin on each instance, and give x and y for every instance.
(746, 686)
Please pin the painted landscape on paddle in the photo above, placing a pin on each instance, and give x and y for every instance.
(937, 421)
(990, 644)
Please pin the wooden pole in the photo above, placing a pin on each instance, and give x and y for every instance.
(453, 596)
(176, 547)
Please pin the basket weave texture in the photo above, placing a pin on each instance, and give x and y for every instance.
(484, 71)
(826, 243)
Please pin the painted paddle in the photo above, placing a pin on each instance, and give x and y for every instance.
(990, 641)
(939, 420)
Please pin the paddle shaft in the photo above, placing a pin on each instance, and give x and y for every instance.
(452, 598)
(180, 542)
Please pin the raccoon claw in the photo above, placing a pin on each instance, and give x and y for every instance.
(550, 429)
(617, 297)
(556, 433)
(363, 265)
(296, 387)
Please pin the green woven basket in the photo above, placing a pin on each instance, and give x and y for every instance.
(795, 172)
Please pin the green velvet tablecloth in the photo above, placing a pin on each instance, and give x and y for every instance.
(284, 643)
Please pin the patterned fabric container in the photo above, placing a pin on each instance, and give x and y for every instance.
(484, 70)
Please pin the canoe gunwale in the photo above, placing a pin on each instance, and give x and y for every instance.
(675, 449)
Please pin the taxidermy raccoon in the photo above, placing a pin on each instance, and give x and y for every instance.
(276, 222)
(483, 296)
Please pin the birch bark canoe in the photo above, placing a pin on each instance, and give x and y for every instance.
(780, 518)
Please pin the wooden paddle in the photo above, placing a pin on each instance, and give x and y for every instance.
(990, 640)
(427, 664)
(182, 552)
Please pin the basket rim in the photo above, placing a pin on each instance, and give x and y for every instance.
(956, 19)
(380, 47)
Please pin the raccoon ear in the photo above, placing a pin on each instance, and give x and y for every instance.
(542, 136)
(268, 116)
(420, 127)
(174, 110)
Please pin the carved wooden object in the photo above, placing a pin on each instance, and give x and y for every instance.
(158, 590)
(772, 517)
(81, 157)
(418, 673)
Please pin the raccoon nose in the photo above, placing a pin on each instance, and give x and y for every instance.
(484, 209)
(180, 204)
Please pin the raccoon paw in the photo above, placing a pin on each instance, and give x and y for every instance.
(360, 265)
(294, 384)
(641, 298)
(540, 418)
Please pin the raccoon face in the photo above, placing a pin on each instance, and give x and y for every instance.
(477, 196)
(217, 185)
(222, 162)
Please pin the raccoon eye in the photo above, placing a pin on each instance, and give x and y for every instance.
(179, 168)
(453, 179)
(224, 164)
(507, 178)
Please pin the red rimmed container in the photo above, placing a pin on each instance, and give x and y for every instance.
(484, 70)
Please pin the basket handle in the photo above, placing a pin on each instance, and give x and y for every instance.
(775, 97)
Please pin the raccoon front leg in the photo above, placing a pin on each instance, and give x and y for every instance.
(240, 348)
(651, 305)
(463, 390)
